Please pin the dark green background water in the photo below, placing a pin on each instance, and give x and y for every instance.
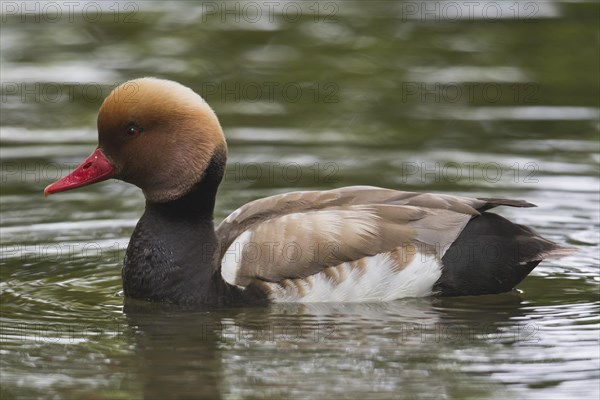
(479, 98)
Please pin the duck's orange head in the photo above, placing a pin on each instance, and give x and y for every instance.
(156, 134)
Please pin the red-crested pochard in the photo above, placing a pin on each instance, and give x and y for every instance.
(353, 244)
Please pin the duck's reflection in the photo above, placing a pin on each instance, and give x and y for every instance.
(208, 354)
(178, 351)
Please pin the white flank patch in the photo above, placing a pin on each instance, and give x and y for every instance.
(232, 260)
(379, 282)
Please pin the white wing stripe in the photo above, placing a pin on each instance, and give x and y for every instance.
(232, 260)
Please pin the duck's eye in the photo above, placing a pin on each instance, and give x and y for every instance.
(133, 131)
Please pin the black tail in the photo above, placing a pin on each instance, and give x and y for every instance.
(492, 255)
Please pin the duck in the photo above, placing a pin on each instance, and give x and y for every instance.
(350, 244)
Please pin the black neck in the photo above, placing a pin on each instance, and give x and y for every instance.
(171, 255)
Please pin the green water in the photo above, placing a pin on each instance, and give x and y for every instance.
(490, 99)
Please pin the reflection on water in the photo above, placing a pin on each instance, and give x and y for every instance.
(494, 99)
(442, 347)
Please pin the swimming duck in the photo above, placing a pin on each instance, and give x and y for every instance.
(353, 244)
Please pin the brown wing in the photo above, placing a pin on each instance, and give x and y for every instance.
(299, 234)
